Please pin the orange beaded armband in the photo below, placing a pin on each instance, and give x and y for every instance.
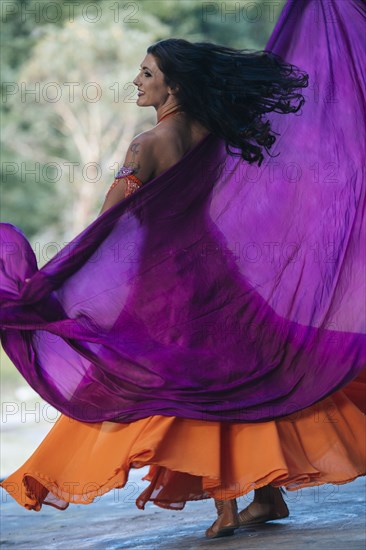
(133, 182)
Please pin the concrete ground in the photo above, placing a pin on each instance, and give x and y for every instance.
(328, 517)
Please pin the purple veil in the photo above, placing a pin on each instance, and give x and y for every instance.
(219, 290)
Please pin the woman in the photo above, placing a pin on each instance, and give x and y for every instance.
(191, 456)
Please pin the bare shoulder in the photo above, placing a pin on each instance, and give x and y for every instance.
(151, 140)
(153, 151)
(141, 156)
(147, 151)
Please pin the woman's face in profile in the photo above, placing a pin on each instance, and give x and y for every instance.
(152, 91)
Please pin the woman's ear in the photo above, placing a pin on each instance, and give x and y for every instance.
(174, 90)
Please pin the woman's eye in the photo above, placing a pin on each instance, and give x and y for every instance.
(147, 74)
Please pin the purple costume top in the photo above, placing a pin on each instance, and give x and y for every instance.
(217, 290)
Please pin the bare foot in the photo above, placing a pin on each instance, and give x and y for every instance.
(268, 505)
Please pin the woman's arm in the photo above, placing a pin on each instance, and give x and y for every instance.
(140, 157)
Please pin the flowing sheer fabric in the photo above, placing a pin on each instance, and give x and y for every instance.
(218, 290)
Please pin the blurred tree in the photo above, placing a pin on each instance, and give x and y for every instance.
(68, 99)
(244, 24)
(76, 114)
(21, 24)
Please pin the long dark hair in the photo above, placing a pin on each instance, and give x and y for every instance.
(229, 90)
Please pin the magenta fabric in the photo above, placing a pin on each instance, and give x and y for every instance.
(218, 290)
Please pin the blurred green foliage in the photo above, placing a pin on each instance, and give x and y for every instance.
(60, 41)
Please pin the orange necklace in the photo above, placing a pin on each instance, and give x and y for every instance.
(169, 114)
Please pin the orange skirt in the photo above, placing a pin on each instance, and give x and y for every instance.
(192, 459)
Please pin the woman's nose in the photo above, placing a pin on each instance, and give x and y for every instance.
(135, 81)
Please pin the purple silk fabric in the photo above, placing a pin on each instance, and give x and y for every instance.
(218, 290)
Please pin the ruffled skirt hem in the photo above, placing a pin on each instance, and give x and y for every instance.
(192, 460)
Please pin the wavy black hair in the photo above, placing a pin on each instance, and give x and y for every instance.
(229, 90)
